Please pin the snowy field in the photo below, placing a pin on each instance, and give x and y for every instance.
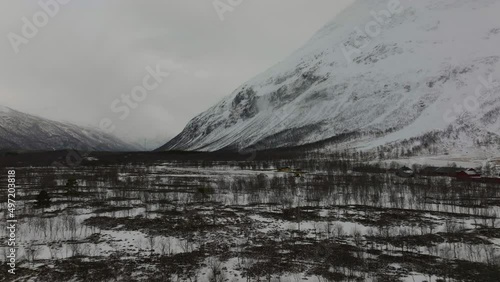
(167, 222)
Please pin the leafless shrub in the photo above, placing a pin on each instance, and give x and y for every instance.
(338, 230)
(32, 251)
(76, 249)
(186, 245)
(165, 246)
(216, 272)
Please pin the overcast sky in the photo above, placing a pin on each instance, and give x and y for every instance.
(92, 51)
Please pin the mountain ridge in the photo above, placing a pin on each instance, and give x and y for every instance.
(21, 131)
(405, 83)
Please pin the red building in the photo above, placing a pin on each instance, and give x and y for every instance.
(469, 173)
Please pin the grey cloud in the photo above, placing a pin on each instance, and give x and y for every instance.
(93, 51)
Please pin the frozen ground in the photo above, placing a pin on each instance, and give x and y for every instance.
(166, 222)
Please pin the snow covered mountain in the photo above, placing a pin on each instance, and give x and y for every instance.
(419, 74)
(20, 131)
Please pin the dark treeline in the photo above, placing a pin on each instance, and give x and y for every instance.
(285, 156)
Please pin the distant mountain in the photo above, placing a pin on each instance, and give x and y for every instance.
(20, 131)
(367, 80)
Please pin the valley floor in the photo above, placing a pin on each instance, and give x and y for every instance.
(178, 222)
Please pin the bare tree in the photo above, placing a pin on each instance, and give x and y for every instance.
(216, 274)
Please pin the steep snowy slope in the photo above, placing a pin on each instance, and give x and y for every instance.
(386, 70)
(20, 131)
